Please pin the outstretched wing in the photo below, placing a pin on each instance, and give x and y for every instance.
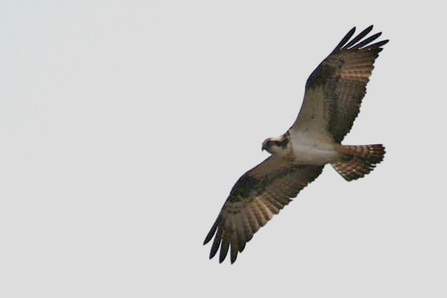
(335, 89)
(258, 195)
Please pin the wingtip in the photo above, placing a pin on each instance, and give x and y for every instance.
(207, 239)
(383, 42)
(222, 257)
(352, 31)
(212, 253)
(212, 231)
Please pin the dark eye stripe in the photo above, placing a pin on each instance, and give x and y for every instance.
(282, 143)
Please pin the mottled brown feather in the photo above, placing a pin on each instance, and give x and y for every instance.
(255, 198)
(335, 89)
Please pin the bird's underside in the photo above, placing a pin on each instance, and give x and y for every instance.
(332, 99)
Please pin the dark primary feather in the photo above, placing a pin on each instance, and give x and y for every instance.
(341, 80)
(255, 198)
(357, 38)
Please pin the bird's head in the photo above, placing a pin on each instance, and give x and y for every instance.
(276, 146)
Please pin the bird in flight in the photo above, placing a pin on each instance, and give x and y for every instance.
(332, 98)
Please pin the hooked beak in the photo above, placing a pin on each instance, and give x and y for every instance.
(264, 146)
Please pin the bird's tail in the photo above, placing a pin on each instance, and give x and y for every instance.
(358, 160)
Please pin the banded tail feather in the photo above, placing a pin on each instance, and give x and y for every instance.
(360, 160)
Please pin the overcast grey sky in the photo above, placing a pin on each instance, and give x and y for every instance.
(124, 125)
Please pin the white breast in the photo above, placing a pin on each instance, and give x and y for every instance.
(314, 150)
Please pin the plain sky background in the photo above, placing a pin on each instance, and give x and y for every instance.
(124, 125)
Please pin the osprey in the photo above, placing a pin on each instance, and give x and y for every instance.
(334, 92)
